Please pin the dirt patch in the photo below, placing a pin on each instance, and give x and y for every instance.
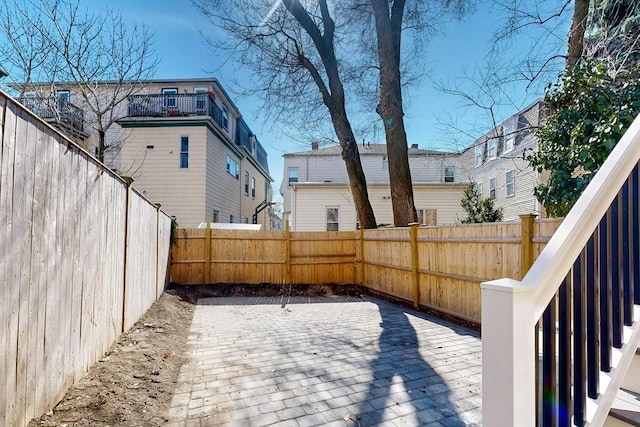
(132, 385)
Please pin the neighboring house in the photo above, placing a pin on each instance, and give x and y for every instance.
(317, 196)
(189, 149)
(185, 145)
(497, 165)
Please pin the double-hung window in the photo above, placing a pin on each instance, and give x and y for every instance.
(449, 174)
(253, 187)
(225, 117)
(293, 175)
(479, 154)
(492, 188)
(233, 168)
(246, 183)
(333, 215)
(511, 183)
(184, 152)
(492, 148)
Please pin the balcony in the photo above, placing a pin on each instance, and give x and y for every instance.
(176, 105)
(59, 113)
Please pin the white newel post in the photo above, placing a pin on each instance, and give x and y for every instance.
(508, 354)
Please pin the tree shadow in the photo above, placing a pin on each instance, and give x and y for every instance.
(404, 384)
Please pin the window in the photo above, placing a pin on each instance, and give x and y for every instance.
(385, 163)
(332, 219)
(511, 183)
(170, 100)
(509, 136)
(200, 99)
(492, 149)
(293, 175)
(184, 152)
(480, 189)
(225, 117)
(63, 94)
(449, 173)
(232, 167)
(253, 188)
(246, 183)
(232, 219)
(492, 188)
(246, 220)
(479, 154)
(215, 217)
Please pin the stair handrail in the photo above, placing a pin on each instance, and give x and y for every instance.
(556, 259)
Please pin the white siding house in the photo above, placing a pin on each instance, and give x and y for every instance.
(189, 150)
(317, 196)
(183, 142)
(316, 193)
(499, 167)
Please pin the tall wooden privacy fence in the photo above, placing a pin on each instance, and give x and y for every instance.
(435, 267)
(82, 257)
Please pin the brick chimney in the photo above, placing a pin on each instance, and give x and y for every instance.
(314, 145)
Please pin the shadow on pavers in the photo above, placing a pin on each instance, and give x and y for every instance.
(399, 356)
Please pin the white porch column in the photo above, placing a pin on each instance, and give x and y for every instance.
(508, 354)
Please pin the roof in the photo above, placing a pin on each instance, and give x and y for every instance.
(144, 82)
(368, 149)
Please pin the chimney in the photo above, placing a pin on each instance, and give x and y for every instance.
(314, 145)
(414, 146)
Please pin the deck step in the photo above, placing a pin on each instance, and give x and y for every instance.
(626, 407)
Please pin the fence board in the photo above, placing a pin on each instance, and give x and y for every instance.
(452, 260)
(62, 227)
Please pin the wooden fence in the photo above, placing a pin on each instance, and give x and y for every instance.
(439, 268)
(82, 256)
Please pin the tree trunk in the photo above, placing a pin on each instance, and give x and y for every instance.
(576, 33)
(333, 97)
(389, 29)
(351, 157)
(101, 145)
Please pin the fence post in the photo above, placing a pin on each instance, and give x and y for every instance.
(287, 251)
(361, 263)
(508, 354)
(207, 254)
(526, 243)
(413, 229)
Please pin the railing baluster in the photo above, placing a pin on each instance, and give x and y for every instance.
(616, 264)
(627, 290)
(549, 383)
(635, 220)
(604, 263)
(564, 353)
(579, 327)
(593, 319)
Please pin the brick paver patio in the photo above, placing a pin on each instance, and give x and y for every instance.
(341, 361)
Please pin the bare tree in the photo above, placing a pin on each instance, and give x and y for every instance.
(54, 43)
(291, 50)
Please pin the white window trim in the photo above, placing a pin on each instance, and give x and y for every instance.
(513, 183)
(326, 211)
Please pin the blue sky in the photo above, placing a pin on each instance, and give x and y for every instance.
(460, 49)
